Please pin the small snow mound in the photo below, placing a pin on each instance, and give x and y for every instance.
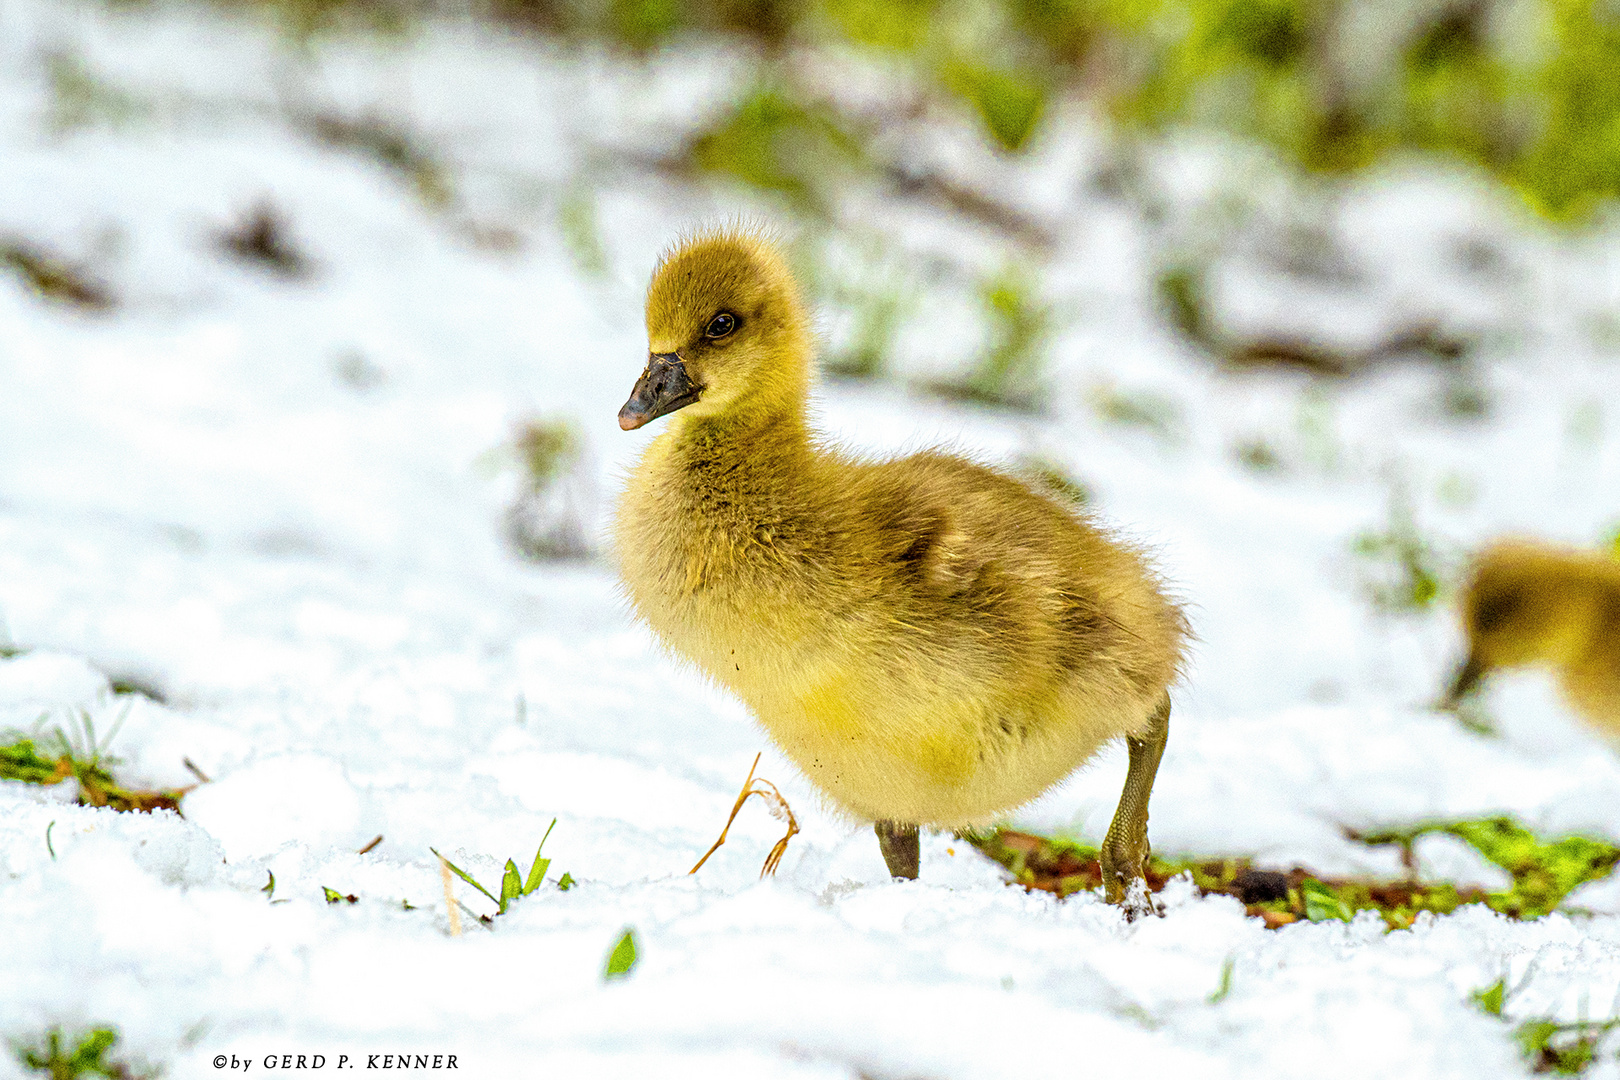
(302, 797)
(37, 683)
(175, 851)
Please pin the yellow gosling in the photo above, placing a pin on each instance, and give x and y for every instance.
(930, 640)
(1528, 603)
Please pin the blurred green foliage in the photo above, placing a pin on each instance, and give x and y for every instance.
(1403, 570)
(773, 141)
(1142, 409)
(1543, 872)
(877, 312)
(1523, 89)
(1020, 325)
(547, 449)
(87, 1057)
(581, 234)
(81, 98)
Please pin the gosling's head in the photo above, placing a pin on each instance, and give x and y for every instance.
(726, 332)
(1524, 603)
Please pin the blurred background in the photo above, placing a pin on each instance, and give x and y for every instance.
(357, 282)
(1312, 297)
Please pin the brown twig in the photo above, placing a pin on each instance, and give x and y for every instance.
(779, 809)
(375, 840)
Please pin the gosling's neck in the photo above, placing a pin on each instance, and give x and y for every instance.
(763, 433)
(749, 447)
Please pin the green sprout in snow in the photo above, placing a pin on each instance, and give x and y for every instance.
(512, 884)
(1563, 1048)
(622, 959)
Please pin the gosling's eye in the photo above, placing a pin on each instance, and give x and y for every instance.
(721, 325)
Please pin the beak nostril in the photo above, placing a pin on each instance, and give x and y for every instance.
(664, 386)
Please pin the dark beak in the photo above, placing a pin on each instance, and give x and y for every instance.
(1466, 680)
(662, 388)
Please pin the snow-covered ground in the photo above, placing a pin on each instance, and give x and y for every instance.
(281, 503)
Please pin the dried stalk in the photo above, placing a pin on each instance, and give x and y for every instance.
(778, 808)
(450, 899)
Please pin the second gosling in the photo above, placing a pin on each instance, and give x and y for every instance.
(930, 640)
(1528, 603)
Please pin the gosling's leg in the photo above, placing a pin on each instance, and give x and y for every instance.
(900, 848)
(1125, 849)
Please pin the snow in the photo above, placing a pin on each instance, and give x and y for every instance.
(313, 572)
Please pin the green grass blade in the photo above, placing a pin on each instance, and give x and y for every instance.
(112, 733)
(89, 726)
(88, 1054)
(511, 885)
(537, 872)
(1492, 998)
(1322, 903)
(462, 874)
(623, 957)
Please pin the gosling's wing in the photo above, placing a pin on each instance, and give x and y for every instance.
(914, 534)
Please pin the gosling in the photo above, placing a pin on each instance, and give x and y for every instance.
(932, 642)
(1528, 603)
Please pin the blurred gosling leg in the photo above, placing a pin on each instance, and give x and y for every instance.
(900, 848)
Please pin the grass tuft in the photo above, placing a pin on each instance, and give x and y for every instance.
(262, 238)
(77, 754)
(1562, 1049)
(1543, 872)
